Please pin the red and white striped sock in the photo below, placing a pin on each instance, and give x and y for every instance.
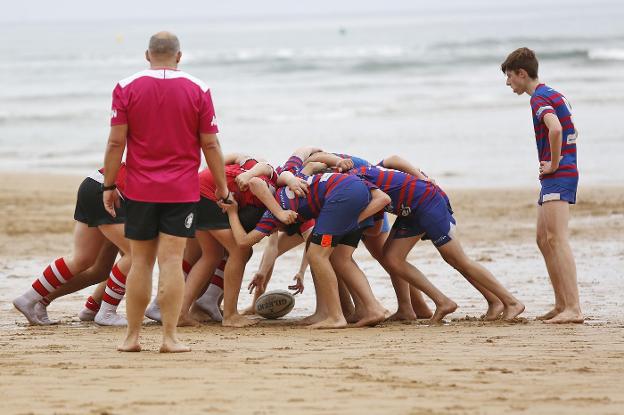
(45, 302)
(55, 275)
(92, 305)
(217, 278)
(115, 289)
(186, 268)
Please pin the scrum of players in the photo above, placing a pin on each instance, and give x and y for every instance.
(327, 201)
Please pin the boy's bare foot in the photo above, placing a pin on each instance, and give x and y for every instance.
(372, 318)
(552, 313)
(403, 316)
(513, 310)
(422, 311)
(355, 316)
(186, 320)
(130, 345)
(494, 311)
(442, 311)
(238, 320)
(567, 316)
(312, 319)
(330, 323)
(173, 346)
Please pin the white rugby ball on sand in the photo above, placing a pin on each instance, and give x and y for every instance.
(275, 304)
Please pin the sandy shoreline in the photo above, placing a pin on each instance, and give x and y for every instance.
(464, 367)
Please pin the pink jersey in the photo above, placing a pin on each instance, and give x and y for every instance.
(165, 110)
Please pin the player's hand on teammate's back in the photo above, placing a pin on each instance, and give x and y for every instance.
(299, 186)
(298, 285)
(242, 180)
(111, 201)
(344, 165)
(287, 216)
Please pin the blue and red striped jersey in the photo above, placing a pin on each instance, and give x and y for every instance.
(546, 100)
(407, 192)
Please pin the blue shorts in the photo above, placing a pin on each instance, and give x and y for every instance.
(435, 221)
(339, 214)
(562, 188)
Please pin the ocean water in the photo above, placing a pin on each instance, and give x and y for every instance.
(425, 85)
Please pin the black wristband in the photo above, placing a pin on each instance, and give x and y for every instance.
(225, 199)
(106, 188)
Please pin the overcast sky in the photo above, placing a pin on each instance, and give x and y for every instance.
(60, 10)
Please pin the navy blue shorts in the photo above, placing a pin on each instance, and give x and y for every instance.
(434, 221)
(562, 188)
(341, 209)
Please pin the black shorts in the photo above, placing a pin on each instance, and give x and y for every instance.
(90, 207)
(145, 220)
(210, 216)
(351, 239)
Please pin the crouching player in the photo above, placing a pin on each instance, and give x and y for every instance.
(339, 203)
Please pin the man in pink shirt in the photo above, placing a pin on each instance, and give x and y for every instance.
(165, 116)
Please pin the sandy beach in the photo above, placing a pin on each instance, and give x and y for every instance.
(462, 367)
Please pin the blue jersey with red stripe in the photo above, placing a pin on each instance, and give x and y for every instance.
(407, 193)
(308, 207)
(546, 100)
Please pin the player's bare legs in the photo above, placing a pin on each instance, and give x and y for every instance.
(170, 290)
(327, 287)
(233, 278)
(551, 264)
(481, 278)
(346, 302)
(410, 302)
(204, 268)
(395, 262)
(556, 216)
(138, 290)
(370, 312)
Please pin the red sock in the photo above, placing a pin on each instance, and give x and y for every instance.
(92, 305)
(217, 278)
(115, 287)
(55, 275)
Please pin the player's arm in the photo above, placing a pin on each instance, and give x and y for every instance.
(314, 167)
(269, 256)
(305, 152)
(379, 200)
(399, 163)
(259, 169)
(298, 286)
(260, 189)
(112, 160)
(331, 160)
(214, 158)
(555, 138)
(296, 184)
(375, 229)
(242, 238)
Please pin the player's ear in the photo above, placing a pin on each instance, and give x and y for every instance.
(178, 56)
(522, 73)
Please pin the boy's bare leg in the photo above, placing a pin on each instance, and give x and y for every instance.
(320, 311)
(327, 287)
(370, 311)
(233, 278)
(170, 290)
(346, 303)
(551, 264)
(410, 302)
(481, 278)
(204, 268)
(138, 290)
(556, 215)
(395, 262)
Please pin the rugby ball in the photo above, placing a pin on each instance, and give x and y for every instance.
(275, 304)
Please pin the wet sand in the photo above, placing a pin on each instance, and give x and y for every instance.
(462, 367)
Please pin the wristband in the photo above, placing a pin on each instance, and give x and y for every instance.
(225, 199)
(107, 188)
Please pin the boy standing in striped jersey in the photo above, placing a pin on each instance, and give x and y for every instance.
(555, 136)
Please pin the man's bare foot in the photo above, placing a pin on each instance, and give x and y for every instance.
(355, 316)
(494, 311)
(312, 319)
(513, 310)
(567, 316)
(403, 315)
(550, 314)
(442, 311)
(173, 346)
(238, 320)
(422, 311)
(198, 314)
(186, 320)
(372, 318)
(129, 345)
(330, 323)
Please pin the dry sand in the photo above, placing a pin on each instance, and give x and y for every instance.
(462, 367)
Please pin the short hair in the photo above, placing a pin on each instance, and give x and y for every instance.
(522, 58)
(164, 43)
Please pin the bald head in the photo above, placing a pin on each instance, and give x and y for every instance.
(164, 44)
